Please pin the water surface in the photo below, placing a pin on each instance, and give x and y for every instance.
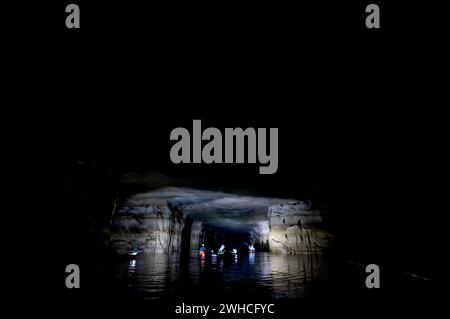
(260, 275)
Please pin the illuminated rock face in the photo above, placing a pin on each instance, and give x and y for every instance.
(296, 229)
(260, 235)
(195, 238)
(159, 221)
(155, 227)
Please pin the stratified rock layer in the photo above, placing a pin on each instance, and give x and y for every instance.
(154, 227)
(296, 228)
(195, 238)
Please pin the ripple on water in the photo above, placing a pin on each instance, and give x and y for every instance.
(262, 274)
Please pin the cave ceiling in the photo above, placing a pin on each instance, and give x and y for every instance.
(237, 212)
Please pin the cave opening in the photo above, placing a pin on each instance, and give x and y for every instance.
(172, 220)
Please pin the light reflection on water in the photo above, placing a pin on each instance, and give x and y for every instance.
(151, 276)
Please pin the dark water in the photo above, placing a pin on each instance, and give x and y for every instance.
(259, 275)
(152, 286)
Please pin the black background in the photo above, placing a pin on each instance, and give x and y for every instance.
(354, 107)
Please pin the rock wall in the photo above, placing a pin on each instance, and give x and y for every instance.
(154, 227)
(260, 236)
(195, 237)
(296, 228)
